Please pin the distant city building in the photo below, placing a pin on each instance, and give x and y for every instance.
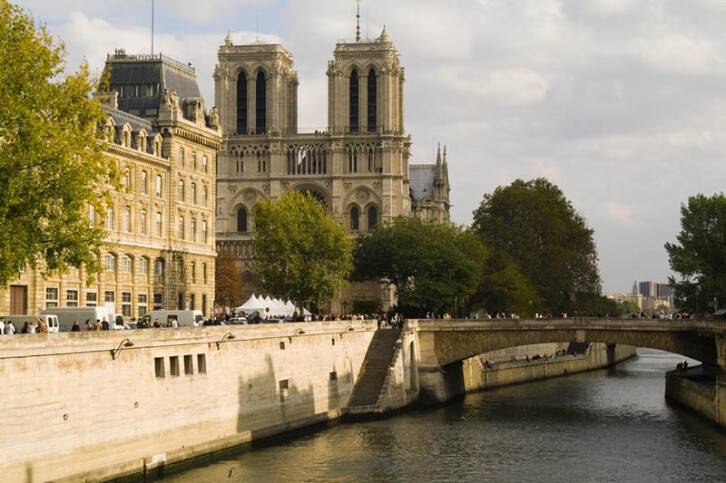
(160, 226)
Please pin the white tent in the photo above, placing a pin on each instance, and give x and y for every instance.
(252, 304)
(276, 306)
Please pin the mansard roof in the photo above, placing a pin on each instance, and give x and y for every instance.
(147, 76)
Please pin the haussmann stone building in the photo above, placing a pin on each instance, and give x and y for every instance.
(160, 248)
(358, 167)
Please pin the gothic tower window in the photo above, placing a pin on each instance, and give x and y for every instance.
(372, 101)
(355, 218)
(242, 103)
(372, 217)
(261, 109)
(242, 220)
(354, 101)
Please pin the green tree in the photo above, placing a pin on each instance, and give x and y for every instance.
(505, 288)
(228, 287)
(699, 256)
(549, 242)
(434, 267)
(302, 254)
(51, 160)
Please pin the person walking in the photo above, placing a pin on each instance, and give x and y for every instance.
(9, 328)
(76, 327)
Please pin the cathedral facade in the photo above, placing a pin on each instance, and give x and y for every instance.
(358, 167)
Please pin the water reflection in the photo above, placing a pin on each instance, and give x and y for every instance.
(610, 425)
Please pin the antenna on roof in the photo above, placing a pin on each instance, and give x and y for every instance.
(357, 23)
(152, 27)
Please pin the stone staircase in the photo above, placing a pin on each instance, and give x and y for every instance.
(375, 369)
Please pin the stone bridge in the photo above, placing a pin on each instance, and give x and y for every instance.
(445, 342)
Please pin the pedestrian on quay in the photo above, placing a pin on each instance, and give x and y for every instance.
(76, 327)
(9, 328)
(88, 325)
(685, 366)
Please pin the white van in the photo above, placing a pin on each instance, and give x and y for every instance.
(190, 318)
(67, 315)
(18, 320)
(117, 321)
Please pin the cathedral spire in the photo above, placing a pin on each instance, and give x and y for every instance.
(444, 155)
(357, 23)
(438, 155)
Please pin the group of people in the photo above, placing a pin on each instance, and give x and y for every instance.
(8, 328)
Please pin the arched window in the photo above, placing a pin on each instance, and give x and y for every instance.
(181, 190)
(242, 220)
(355, 218)
(193, 194)
(193, 230)
(242, 103)
(354, 123)
(261, 107)
(144, 183)
(372, 217)
(181, 227)
(372, 101)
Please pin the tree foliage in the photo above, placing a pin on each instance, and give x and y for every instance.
(699, 256)
(51, 160)
(302, 254)
(432, 266)
(228, 286)
(542, 243)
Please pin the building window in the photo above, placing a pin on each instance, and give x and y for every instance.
(127, 178)
(159, 225)
(204, 304)
(204, 232)
(261, 104)
(159, 267)
(353, 104)
(201, 363)
(355, 218)
(142, 304)
(143, 265)
(142, 222)
(204, 273)
(241, 103)
(109, 296)
(181, 227)
(372, 101)
(127, 219)
(194, 160)
(372, 217)
(91, 299)
(193, 230)
(188, 365)
(126, 264)
(144, 183)
(181, 190)
(204, 163)
(110, 262)
(92, 215)
(353, 160)
(193, 269)
(126, 304)
(109, 218)
(193, 194)
(242, 220)
(71, 298)
(158, 301)
(191, 301)
(204, 195)
(181, 156)
(51, 297)
(158, 186)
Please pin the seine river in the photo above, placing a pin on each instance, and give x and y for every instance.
(608, 425)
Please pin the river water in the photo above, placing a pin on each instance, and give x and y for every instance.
(607, 425)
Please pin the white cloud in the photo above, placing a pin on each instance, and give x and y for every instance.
(511, 87)
(620, 212)
(677, 53)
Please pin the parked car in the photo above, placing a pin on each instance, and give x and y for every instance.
(237, 321)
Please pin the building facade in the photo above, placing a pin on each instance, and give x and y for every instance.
(358, 167)
(160, 225)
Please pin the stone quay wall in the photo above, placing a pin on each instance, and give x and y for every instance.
(705, 399)
(72, 412)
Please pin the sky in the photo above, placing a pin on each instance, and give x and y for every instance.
(620, 103)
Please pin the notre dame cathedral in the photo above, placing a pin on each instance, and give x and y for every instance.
(358, 167)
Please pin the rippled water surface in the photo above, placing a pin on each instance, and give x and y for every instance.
(609, 425)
